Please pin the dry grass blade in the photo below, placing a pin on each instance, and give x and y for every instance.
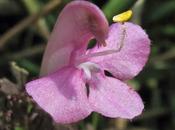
(8, 87)
(28, 21)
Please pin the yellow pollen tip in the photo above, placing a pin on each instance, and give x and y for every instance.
(123, 17)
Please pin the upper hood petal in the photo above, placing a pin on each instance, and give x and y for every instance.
(76, 25)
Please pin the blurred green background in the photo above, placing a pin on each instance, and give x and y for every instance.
(25, 26)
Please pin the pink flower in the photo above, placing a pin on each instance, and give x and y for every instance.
(73, 83)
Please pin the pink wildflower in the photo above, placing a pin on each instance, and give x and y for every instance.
(68, 66)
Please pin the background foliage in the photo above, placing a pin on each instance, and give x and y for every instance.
(25, 26)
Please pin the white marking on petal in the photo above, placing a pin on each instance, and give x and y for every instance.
(89, 68)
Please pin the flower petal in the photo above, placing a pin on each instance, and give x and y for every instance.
(129, 61)
(113, 98)
(76, 25)
(62, 95)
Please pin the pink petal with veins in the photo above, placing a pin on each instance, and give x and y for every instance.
(131, 59)
(113, 98)
(79, 22)
(62, 95)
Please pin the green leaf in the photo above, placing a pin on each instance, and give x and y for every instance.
(114, 7)
(162, 11)
(18, 128)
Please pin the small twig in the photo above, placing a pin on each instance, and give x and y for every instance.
(121, 124)
(27, 52)
(28, 21)
(138, 128)
(8, 87)
(33, 6)
(20, 74)
(153, 113)
(64, 127)
(170, 54)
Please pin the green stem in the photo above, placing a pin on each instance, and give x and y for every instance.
(34, 6)
(95, 120)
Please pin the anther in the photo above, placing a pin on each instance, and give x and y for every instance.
(123, 17)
